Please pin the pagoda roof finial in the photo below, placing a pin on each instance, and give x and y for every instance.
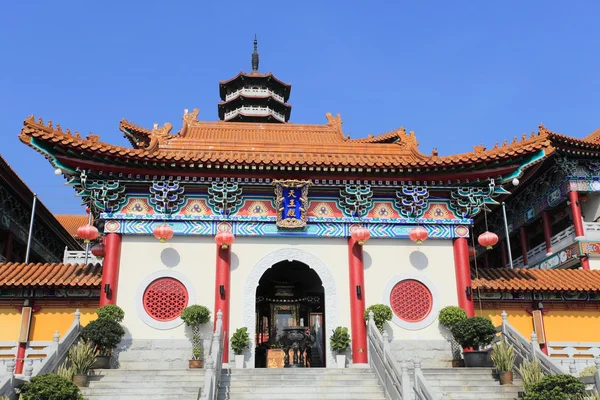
(255, 55)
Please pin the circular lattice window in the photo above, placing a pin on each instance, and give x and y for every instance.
(411, 301)
(165, 298)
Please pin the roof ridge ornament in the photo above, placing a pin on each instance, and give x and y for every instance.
(255, 55)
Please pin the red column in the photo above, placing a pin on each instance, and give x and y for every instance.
(578, 224)
(223, 278)
(547, 231)
(110, 269)
(463, 275)
(503, 253)
(524, 247)
(357, 302)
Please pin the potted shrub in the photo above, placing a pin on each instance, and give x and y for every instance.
(381, 314)
(340, 341)
(503, 357)
(556, 387)
(105, 334)
(449, 316)
(240, 341)
(473, 334)
(81, 356)
(195, 316)
(50, 387)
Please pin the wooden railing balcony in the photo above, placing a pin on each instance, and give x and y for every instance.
(78, 257)
(254, 93)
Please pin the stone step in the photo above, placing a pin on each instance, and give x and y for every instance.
(155, 396)
(305, 388)
(148, 390)
(296, 371)
(146, 372)
(300, 396)
(285, 378)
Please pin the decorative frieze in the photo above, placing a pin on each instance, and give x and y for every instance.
(166, 196)
(469, 201)
(105, 196)
(225, 198)
(412, 201)
(356, 200)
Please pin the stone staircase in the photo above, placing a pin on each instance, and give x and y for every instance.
(300, 384)
(120, 384)
(470, 383)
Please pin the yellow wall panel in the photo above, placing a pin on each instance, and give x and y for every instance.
(520, 319)
(572, 326)
(49, 320)
(10, 322)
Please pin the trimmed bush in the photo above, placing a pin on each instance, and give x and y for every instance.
(240, 340)
(381, 314)
(451, 315)
(195, 315)
(111, 311)
(474, 332)
(340, 340)
(106, 334)
(556, 387)
(50, 387)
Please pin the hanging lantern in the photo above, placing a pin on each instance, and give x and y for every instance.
(472, 252)
(360, 235)
(99, 250)
(418, 234)
(488, 239)
(163, 233)
(87, 233)
(224, 239)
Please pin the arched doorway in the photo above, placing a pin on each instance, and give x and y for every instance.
(289, 293)
(306, 264)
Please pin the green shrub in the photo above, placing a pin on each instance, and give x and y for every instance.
(340, 340)
(65, 371)
(81, 356)
(106, 334)
(474, 332)
(503, 356)
(451, 315)
(593, 395)
(590, 370)
(381, 314)
(50, 387)
(531, 374)
(556, 387)
(111, 311)
(195, 315)
(240, 340)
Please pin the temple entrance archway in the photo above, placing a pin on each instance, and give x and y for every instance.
(313, 269)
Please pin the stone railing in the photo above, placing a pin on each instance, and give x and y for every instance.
(78, 257)
(559, 241)
(55, 353)
(214, 363)
(574, 355)
(262, 92)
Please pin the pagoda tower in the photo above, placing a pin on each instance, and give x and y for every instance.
(254, 97)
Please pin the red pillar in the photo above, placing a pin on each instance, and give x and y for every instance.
(547, 231)
(110, 269)
(357, 302)
(223, 278)
(524, 247)
(463, 275)
(578, 224)
(503, 253)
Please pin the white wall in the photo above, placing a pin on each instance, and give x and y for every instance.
(591, 208)
(195, 258)
(594, 263)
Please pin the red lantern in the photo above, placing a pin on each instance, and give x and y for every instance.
(472, 252)
(87, 233)
(360, 235)
(163, 233)
(224, 239)
(99, 250)
(488, 239)
(418, 234)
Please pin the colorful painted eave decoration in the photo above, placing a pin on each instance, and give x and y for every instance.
(270, 229)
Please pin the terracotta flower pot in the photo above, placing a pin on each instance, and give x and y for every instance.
(80, 380)
(506, 378)
(196, 363)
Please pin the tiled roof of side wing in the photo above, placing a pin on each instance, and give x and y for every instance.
(554, 280)
(55, 275)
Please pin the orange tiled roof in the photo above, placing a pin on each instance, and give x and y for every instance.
(319, 145)
(55, 275)
(71, 222)
(553, 280)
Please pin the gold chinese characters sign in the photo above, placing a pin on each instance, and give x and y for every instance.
(291, 202)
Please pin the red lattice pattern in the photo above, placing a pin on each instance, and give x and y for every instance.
(165, 299)
(411, 301)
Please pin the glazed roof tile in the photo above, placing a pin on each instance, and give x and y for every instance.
(553, 280)
(72, 222)
(14, 275)
(318, 145)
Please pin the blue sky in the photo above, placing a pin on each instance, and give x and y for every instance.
(458, 73)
